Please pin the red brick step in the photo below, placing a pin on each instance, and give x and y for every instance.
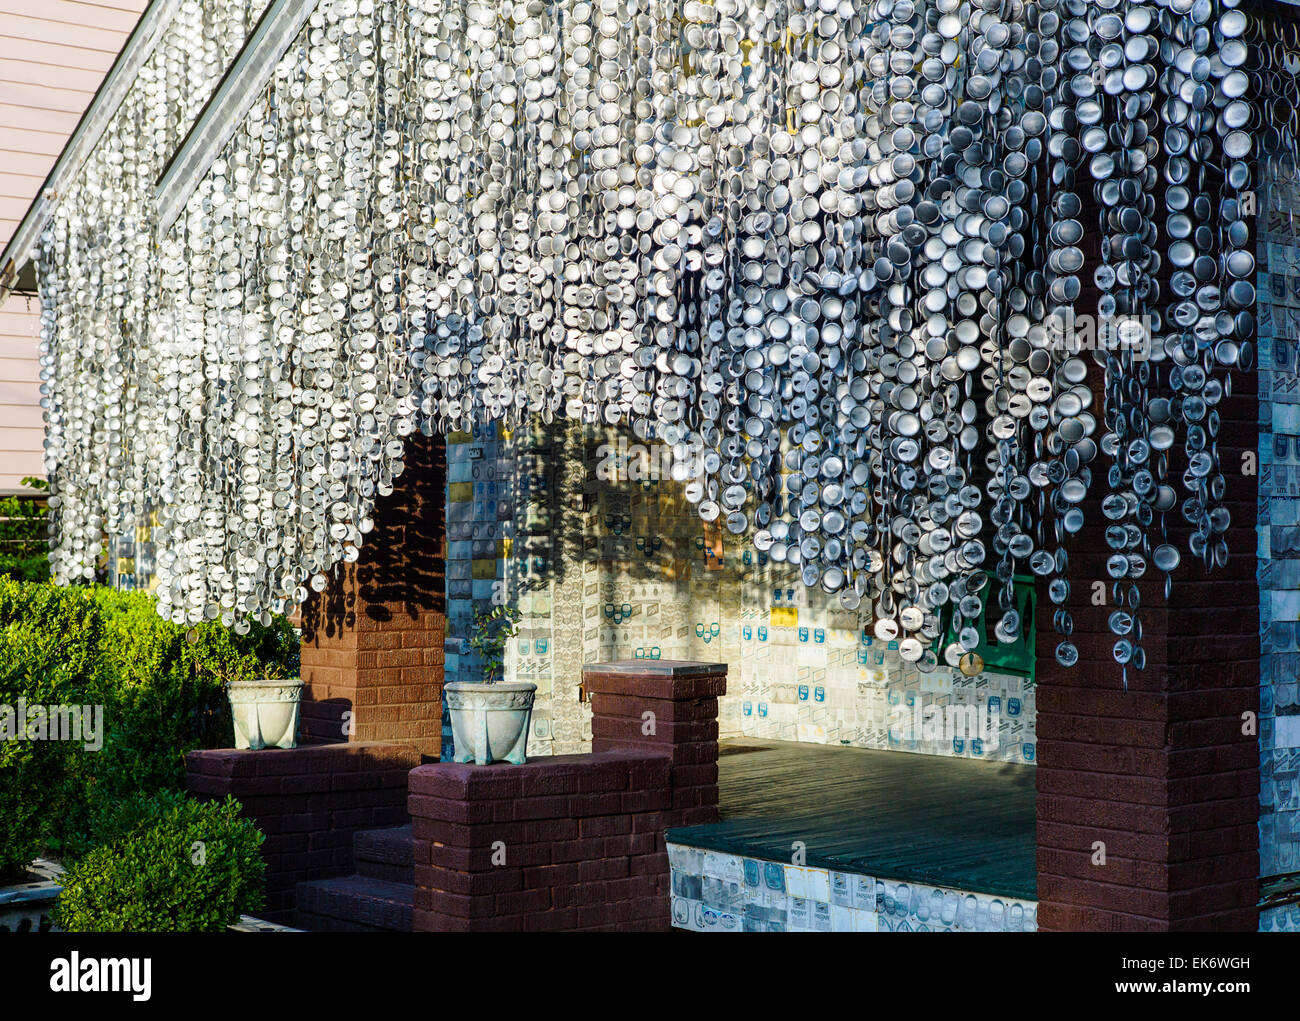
(384, 854)
(354, 904)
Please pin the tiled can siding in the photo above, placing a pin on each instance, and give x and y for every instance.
(606, 559)
(1278, 236)
(717, 892)
(479, 479)
(1280, 919)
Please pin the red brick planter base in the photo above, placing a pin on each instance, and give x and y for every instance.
(309, 801)
(577, 841)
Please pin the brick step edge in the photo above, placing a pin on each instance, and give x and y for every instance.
(384, 854)
(403, 875)
(359, 900)
(320, 923)
(390, 845)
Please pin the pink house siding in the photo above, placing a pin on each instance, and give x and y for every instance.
(21, 429)
(53, 55)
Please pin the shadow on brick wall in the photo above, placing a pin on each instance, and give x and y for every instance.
(400, 572)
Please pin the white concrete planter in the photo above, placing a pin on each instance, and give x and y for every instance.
(265, 712)
(489, 722)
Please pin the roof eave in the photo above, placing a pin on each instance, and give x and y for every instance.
(15, 261)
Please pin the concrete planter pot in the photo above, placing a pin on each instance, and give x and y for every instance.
(489, 722)
(265, 712)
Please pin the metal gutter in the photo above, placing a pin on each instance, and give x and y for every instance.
(226, 108)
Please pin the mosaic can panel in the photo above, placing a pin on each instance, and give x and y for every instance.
(1280, 919)
(606, 559)
(717, 892)
(1278, 288)
(480, 480)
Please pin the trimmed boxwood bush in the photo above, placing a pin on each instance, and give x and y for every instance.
(167, 688)
(180, 866)
(48, 656)
(162, 691)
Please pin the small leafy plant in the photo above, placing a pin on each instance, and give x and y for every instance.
(179, 866)
(489, 636)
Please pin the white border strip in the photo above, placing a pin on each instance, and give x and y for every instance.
(229, 103)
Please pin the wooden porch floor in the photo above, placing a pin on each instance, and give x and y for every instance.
(956, 823)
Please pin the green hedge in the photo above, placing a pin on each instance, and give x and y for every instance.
(180, 866)
(161, 687)
(48, 656)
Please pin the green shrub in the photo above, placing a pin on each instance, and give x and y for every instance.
(48, 656)
(168, 693)
(182, 866)
(113, 819)
(162, 691)
(21, 824)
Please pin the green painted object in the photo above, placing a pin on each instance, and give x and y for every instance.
(1019, 656)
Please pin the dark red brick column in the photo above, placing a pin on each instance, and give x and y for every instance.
(576, 841)
(1162, 774)
(309, 801)
(372, 642)
(669, 707)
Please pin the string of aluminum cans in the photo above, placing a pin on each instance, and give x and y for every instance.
(828, 252)
(104, 390)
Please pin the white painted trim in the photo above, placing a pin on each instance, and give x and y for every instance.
(230, 102)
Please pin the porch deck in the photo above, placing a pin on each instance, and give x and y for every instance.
(955, 823)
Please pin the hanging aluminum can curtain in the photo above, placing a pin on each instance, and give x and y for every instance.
(830, 253)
